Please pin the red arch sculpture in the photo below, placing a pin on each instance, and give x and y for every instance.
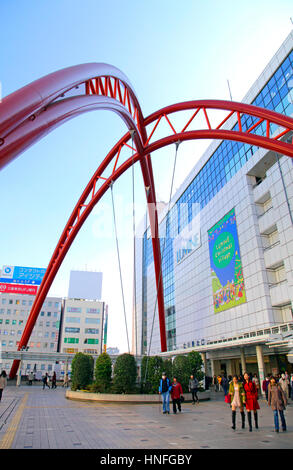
(33, 111)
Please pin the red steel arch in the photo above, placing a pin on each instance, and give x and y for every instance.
(21, 130)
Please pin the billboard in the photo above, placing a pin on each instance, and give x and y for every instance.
(17, 289)
(226, 266)
(22, 275)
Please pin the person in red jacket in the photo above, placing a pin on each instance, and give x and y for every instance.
(176, 394)
(251, 400)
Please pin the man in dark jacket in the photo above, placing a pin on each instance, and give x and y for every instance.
(193, 387)
(164, 390)
(176, 395)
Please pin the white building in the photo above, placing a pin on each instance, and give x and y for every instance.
(228, 312)
(14, 312)
(82, 326)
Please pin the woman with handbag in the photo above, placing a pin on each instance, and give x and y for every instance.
(237, 393)
(251, 400)
(278, 401)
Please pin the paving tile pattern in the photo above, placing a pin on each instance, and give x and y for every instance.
(50, 421)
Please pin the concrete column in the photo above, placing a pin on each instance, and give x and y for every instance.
(204, 360)
(213, 367)
(65, 370)
(243, 362)
(18, 381)
(261, 366)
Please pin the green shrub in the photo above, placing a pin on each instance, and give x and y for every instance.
(103, 373)
(125, 373)
(82, 371)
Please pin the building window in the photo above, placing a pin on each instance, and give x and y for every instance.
(91, 341)
(42, 314)
(71, 330)
(92, 310)
(92, 320)
(91, 331)
(71, 340)
(3, 301)
(48, 314)
(73, 309)
(72, 320)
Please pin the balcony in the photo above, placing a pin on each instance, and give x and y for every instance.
(266, 220)
(273, 255)
(280, 294)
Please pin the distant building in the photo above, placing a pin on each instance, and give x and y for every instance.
(85, 285)
(113, 351)
(14, 312)
(82, 326)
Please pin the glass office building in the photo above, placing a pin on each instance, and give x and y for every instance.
(241, 197)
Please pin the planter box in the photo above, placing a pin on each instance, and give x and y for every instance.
(123, 398)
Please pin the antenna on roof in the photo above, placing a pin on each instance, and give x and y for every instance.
(229, 90)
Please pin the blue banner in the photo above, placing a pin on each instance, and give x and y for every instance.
(22, 275)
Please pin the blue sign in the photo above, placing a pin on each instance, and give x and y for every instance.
(22, 275)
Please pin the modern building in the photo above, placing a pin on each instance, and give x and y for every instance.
(82, 326)
(14, 312)
(227, 249)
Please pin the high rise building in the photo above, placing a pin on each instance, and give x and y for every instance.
(227, 252)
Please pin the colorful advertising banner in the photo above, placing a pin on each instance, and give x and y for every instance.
(18, 289)
(226, 266)
(22, 275)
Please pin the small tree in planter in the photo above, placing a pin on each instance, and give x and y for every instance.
(103, 373)
(181, 370)
(82, 368)
(155, 367)
(125, 373)
(195, 365)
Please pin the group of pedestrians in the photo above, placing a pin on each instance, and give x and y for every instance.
(46, 381)
(174, 389)
(245, 394)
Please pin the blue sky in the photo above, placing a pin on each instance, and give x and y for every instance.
(171, 51)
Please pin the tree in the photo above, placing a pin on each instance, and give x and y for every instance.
(82, 368)
(181, 370)
(195, 365)
(155, 367)
(103, 372)
(125, 373)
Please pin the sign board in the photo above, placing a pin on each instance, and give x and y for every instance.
(226, 265)
(22, 275)
(18, 289)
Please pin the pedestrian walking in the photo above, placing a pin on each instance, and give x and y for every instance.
(265, 385)
(277, 400)
(54, 380)
(3, 382)
(66, 381)
(30, 378)
(45, 381)
(225, 384)
(176, 394)
(219, 380)
(236, 390)
(164, 390)
(193, 388)
(284, 383)
(291, 383)
(251, 400)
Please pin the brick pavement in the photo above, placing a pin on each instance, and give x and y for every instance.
(37, 419)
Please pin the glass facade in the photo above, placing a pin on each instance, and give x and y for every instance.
(223, 164)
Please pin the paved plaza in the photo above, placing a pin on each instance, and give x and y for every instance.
(32, 418)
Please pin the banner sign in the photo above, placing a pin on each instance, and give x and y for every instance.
(226, 266)
(22, 275)
(18, 289)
